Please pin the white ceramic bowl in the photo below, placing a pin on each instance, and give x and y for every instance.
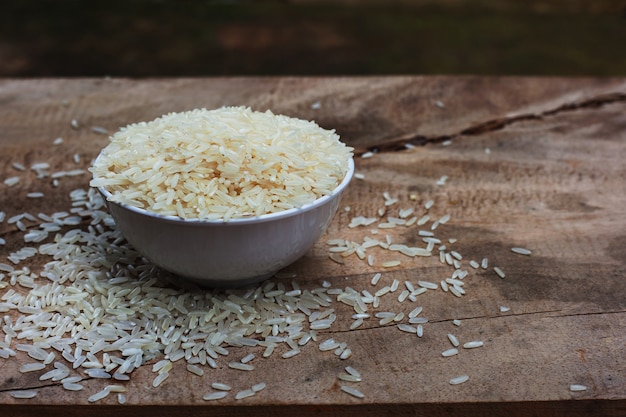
(227, 254)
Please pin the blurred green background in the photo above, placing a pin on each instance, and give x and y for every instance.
(146, 38)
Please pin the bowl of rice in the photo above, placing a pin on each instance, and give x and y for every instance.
(223, 197)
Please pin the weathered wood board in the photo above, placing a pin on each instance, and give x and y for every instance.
(530, 162)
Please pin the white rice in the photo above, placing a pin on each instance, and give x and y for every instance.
(258, 387)
(349, 378)
(352, 391)
(226, 163)
(356, 324)
(403, 296)
(346, 354)
(499, 272)
(449, 352)
(240, 366)
(24, 394)
(160, 378)
(55, 375)
(247, 358)
(30, 367)
(194, 369)
(407, 328)
(473, 344)
(6, 267)
(244, 394)
(521, 251)
(453, 339)
(99, 130)
(221, 386)
(442, 180)
(290, 353)
(428, 285)
(99, 395)
(415, 312)
(72, 386)
(456, 291)
(11, 181)
(212, 396)
(459, 379)
(577, 387)
(352, 371)
(96, 372)
(116, 388)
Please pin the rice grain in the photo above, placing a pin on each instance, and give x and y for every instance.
(24, 394)
(352, 391)
(277, 162)
(459, 379)
(521, 251)
(218, 395)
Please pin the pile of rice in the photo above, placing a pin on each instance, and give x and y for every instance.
(226, 163)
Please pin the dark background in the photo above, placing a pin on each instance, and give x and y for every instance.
(153, 38)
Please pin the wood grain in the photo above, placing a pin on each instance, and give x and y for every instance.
(552, 180)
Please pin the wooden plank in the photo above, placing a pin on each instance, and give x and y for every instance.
(531, 162)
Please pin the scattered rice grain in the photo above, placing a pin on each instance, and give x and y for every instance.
(100, 395)
(244, 394)
(352, 391)
(459, 380)
(218, 395)
(24, 394)
(521, 251)
(241, 366)
(499, 272)
(449, 352)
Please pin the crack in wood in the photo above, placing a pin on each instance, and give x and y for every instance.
(497, 316)
(597, 313)
(406, 141)
(29, 387)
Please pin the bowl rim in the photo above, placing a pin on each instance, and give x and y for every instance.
(240, 220)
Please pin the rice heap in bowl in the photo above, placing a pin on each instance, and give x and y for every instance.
(221, 164)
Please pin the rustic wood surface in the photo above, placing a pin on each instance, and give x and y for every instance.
(531, 162)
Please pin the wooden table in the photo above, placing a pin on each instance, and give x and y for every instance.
(530, 162)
